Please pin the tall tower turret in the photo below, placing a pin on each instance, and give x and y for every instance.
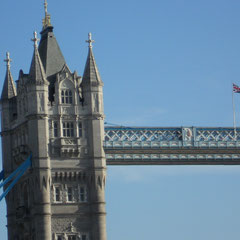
(38, 135)
(9, 89)
(8, 111)
(8, 114)
(93, 103)
(57, 116)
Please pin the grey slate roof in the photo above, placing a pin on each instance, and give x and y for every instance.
(9, 89)
(50, 53)
(91, 73)
(36, 73)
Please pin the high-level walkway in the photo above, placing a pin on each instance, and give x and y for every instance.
(172, 146)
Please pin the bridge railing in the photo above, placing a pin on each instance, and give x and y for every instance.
(139, 137)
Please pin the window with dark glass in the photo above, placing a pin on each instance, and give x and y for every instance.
(82, 194)
(55, 129)
(67, 96)
(70, 194)
(68, 129)
(57, 194)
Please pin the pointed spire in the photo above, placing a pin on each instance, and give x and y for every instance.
(91, 73)
(47, 18)
(37, 73)
(9, 89)
(49, 50)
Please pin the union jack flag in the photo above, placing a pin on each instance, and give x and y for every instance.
(236, 88)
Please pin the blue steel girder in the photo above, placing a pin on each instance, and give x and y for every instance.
(172, 146)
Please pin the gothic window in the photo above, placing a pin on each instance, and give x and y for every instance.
(80, 129)
(57, 194)
(69, 194)
(68, 129)
(82, 194)
(67, 96)
(55, 129)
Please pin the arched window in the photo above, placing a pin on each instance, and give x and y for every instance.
(66, 96)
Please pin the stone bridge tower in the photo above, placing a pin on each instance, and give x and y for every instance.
(57, 116)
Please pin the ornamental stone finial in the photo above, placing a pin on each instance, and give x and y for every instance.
(90, 41)
(47, 18)
(35, 39)
(45, 7)
(8, 60)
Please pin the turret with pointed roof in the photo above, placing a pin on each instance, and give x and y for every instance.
(9, 89)
(91, 73)
(37, 74)
(93, 103)
(50, 53)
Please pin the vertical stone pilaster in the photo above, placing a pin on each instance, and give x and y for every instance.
(42, 205)
(98, 205)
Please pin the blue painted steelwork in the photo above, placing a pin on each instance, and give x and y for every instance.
(183, 145)
(15, 176)
(170, 137)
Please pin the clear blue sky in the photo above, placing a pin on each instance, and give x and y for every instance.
(163, 63)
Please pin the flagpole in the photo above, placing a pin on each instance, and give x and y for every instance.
(234, 117)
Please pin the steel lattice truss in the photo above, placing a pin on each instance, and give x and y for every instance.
(185, 145)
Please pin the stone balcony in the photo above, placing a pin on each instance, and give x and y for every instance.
(68, 147)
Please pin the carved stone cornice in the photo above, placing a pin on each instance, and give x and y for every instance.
(37, 116)
(95, 116)
(69, 175)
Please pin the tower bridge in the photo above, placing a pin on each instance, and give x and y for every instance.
(57, 117)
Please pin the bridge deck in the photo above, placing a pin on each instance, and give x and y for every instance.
(172, 146)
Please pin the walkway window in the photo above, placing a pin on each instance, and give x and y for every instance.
(68, 129)
(66, 96)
